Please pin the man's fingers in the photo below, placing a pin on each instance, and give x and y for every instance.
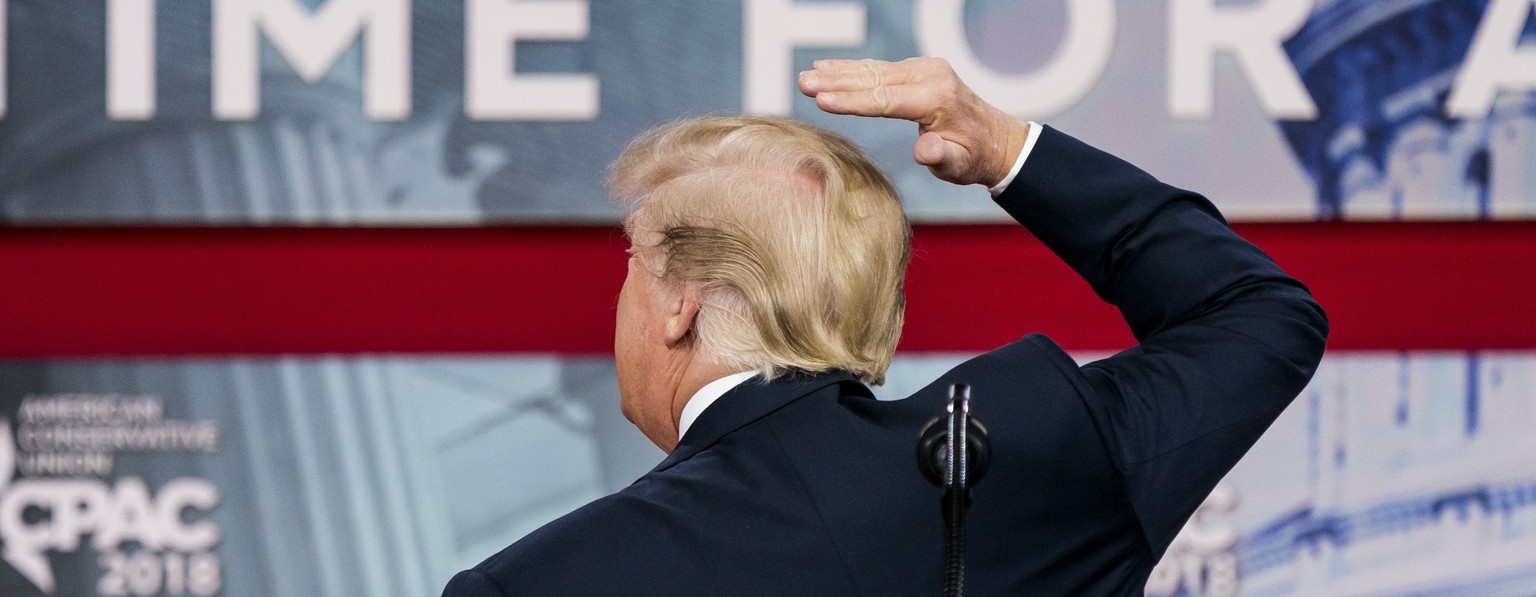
(852, 75)
(922, 90)
(905, 102)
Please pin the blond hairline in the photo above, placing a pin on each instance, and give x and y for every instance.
(795, 237)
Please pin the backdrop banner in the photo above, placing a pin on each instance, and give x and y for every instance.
(1392, 474)
(472, 110)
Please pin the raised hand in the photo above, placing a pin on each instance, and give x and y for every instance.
(961, 139)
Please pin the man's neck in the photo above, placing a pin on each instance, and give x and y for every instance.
(695, 377)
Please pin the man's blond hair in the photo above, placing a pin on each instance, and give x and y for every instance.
(796, 239)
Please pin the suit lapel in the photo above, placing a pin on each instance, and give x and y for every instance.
(751, 400)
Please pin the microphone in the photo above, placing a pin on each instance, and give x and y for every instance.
(953, 453)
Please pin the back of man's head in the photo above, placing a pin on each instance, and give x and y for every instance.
(797, 240)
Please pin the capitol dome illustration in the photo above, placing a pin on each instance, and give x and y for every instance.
(1382, 146)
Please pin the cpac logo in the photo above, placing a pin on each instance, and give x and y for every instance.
(1200, 561)
(112, 514)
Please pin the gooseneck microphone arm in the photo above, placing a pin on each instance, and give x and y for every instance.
(953, 452)
(956, 491)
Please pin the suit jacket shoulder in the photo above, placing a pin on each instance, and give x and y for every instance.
(560, 557)
(730, 518)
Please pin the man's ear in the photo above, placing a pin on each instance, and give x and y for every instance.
(681, 309)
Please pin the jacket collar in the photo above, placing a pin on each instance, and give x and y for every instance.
(749, 401)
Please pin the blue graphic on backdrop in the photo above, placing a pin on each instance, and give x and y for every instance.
(1383, 147)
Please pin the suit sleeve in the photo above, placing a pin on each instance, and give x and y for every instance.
(472, 583)
(1225, 338)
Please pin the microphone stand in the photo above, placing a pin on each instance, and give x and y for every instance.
(955, 457)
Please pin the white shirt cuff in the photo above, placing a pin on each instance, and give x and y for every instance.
(1029, 145)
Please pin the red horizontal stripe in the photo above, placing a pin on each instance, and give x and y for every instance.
(216, 291)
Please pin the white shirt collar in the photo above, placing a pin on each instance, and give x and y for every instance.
(706, 396)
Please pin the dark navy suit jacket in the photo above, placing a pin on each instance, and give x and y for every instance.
(806, 486)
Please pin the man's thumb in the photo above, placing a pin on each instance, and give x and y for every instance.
(948, 161)
(930, 149)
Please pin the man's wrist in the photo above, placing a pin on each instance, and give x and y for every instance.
(1011, 143)
(1021, 140)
